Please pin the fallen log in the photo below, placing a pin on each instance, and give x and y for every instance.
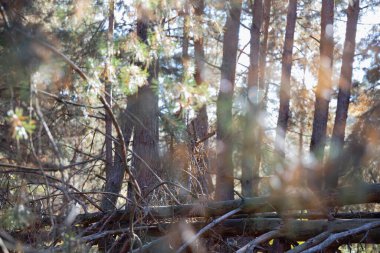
(366, 193)
(293, 230)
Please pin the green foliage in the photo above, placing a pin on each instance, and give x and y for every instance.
(132, 77)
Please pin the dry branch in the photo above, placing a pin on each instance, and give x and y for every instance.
(342, 235)
(206, 228)
(310, 243)
(260, 239)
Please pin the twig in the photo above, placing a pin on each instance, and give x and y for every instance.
(209, 135)
(27, 168)
(59, 99)
(206, 228)
(258, 240)
(147, 247)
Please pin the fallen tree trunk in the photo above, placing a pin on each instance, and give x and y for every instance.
(367, 193)
(293, 230)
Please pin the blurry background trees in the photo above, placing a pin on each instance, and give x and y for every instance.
(110, 107)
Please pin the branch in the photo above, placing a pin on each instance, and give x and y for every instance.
(339, 236)
(208, 227)
(258, 240)
(310, 243)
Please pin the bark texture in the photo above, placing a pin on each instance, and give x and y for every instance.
(225, 167)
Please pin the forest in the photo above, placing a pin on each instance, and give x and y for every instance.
(189, 126)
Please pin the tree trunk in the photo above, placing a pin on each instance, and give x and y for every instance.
(201, 120)
(345, 84)
(185, 40)
(145, 140)
(322, 100)
(264, 47)
(283, 114)
(251, 149)
(261, 206)
(225, 170)
(114, 172)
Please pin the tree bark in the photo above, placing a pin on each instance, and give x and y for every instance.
(225, 168)
(283, 114)
(323, 93)
(345, 84)
(251, 148)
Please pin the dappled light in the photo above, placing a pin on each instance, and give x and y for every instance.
(189, 126)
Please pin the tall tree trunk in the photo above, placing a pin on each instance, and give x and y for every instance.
(186, 39)
(345, 84)
(199, 56)
(321, 111)
(114, 172)
(201, 120)
(225, 167)
(145, 140)
(251, 149)
(264, 48)
(283, 114)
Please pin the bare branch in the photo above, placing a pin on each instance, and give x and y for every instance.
(208, 227)
(342, 235)
(260, 239)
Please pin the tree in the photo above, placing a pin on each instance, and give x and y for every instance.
(114, 172)
(201, 120)
(264, 47)
(225, 167)
(283, 113)
(145, 138)
(323, 92)
(344, 93)
(251, 149)
(63, 153)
